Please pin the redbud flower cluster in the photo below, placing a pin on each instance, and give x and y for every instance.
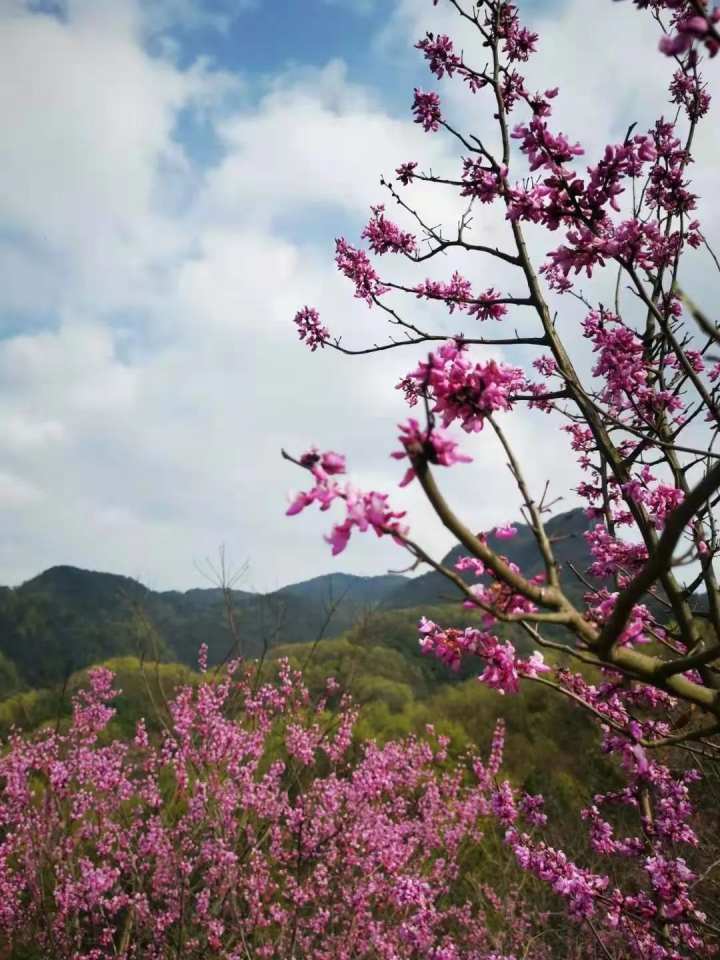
(247, 829)
(364, 511)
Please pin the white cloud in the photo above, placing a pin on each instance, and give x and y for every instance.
(141, 426)
(17, 492)
(315, 140)
(191, 15)
(149, 440)
(91, 154)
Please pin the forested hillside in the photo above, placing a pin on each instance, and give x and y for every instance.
(66, 618)
(361, 630)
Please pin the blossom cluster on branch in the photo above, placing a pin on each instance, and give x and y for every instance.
(642, 422)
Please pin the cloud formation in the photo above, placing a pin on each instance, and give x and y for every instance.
(150, 372)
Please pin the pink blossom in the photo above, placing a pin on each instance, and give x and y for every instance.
(470, 565)
(431, 445)
(426, 107)
(631, 208)
(534, 666)
(440, 54)
(503, 668)
(465, 391)
(310, 329)
(519, 41)
(481, 180)
(203, 658)
(356, 266)
(385, 236)
(93, 831)
(456, 293)
(325, 464)
(406, 172)
(543, 148)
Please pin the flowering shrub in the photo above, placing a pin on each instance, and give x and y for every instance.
(252, 828)
(255, 826)
(643, 423)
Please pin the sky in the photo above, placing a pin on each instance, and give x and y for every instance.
(174, 173)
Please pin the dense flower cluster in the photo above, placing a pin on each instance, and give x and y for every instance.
(564, 199)
(690, 23)
(426, 107)
(310, 329)
(244, 831)
(503, 668)
(465, 391)
(385, 236)
(440, 54)
(356, 266)
(457, 294)
(480, 180)
(612, 556)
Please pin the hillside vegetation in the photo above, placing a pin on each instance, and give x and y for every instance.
(66, 619)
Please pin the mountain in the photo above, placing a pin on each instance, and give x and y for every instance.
(66, 618)
(565, 532)
(298, 613)
(337, 586)
(85, 590)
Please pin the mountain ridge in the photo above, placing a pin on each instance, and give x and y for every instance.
(66, 618)
(565, 530)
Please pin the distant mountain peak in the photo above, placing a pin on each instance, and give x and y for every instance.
(68, 570)
(84, 587)
(565, 529)
(68, 617)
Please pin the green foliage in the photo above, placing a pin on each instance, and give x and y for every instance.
(9, 677)
(55, 626)
(146, 688)
(66, 618)
(47, 641)
(30, 709)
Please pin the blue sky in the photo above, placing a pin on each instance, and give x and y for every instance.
(175, 178)
(266, 36)
(263, 39)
